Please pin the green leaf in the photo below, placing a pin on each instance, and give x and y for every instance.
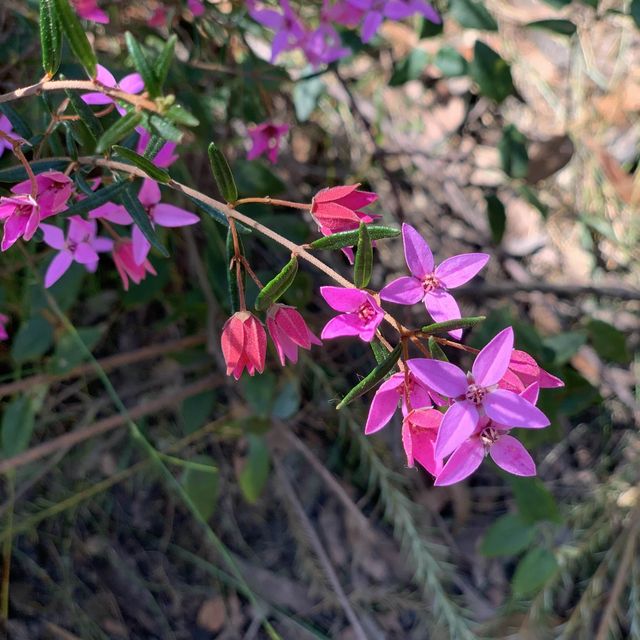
(533, 571)
(513, 152)
(217, 215)
(161, 67)
(287, 402)
(531, 197)
(491, 73)
(96, 199)
(258, 392)
(90, 120)
(507, 536)
(534, 500)
(563, 27)
(472, 15)
(276, 287)
(436, 350)
(118, 130)
(450, 62)
(305, 97)
(364, 258)
(196, 410)
(255, 471)
(410, 68)
(349, 238)
(232, 274)
(609, 342)
(558, 4)
(155, 173)
(165, 129)
(18, 421)
(222, 174)
(18, 174)
(497, 217)
(141, 218)
(142, 65)
(50, 37)
(430, 29)
(67, 355)
(634, 12)
(380, 352)
(76, 36)
(451, 325)
(373, 378)
(178, 114)
(33, 340)
(20, 125)
(201, 483)
(565, 345)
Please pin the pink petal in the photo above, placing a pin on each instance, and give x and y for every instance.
(407, 442)
(141, 246)
(115, 213)
(530, 394)
(441, 307)
(509, 454)
(342, 325)
(462, 463)
(133, 83)
(343, 299)
(512, 410)
(384, 404)
(102, 244)
(167, 215)
(416, 252)
(370, 25)
(458, 424)
(460, 269)
(548, 381)
(96, 98)
(53, 236)
(332, 194)
(149, 193)
(397, 10)
(492, 362)
(85, 254)
(443, 377)
(105, 77)
(57, 268)
(404, 290)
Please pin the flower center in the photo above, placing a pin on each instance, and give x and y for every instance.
(489, 436)
(430, 282)
(366, 312)
(475, 393)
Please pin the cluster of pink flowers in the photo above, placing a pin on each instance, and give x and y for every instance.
(322, 44)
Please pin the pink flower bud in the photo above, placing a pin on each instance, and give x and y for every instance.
(127, 266)
(21, 216)
(338, 208)
(244, 344)
(419, 433)
(288, 331)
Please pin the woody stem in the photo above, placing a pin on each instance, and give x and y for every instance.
(273, 201)
(238, 261)
(17, 151)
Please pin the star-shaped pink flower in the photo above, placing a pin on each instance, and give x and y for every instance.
(132, 83)
(265, 139)
(89, 10)
(360, 315)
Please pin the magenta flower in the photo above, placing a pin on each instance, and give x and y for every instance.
(165, 157)
(431, 284)
(89, 10)
(21, 216)
(341, 12)
(132, 83)
(393, 392)
(419, 433)
(323, 46)
(476, 394)
(4, 321)
(161, 214)
(7, 128)
(289, 331)
(196, 7)
(290, 31)
(337, 209)
(244, 344)
(111, 212)
(127, 266)
(54, 190)
(159, 17)
(265, 139)
(81, 245)
(360, 315)
(523, 371)
(490, 438)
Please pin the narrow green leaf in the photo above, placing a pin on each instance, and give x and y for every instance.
(410, 68)
(201, 483)
(472, 14)
(118, 130)
(609, 342)
(142, 65)
(533, 571)
(535, 502)
(222, 174)
(96, 199)
(17, 174)
(508, 535)
(20, 125)
(491, 73)
(140, 217)
(562, 27)
(91, 121)
(349, 238)
(373, 378)
(76, 36)
(513, 152)
(33, 339)
(364, 258)
(634, 11)
(276, 287)
(232, 274)
(379, 351)
(155, 173)
(255, 471)
(178, 114)
(18, 421)
(451, 62)
(497, 216)
(436, 350)
(165, 129)
(153, 147)
(50, 37)
(217, 215)
(161, 67)
(451, 325)
(69, 140)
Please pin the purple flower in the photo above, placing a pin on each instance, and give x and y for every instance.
(429, 283)
(132, 83)
(323, 46)
(476, 394)
(81, 245)
(165, 157)
(265, 139)
(341, 12)
(290, 31)
(21, 215)
(7, 128)
(54, 189)
(490, 438)
(360, 315)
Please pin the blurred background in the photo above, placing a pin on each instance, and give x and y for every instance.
(513, 130)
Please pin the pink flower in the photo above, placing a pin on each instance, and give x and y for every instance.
(523, 371)
(290, 31)
(431, 284)
(476, 394)
(89, 10)
(165, 157)
(196, 7)
(21, 215)
(341, 12)
(54, 190)
(289, 332)
(338, 208)
(4, 321)
(419, 433)
(81, 245)
(7, 128)
(360, 315)
(111, 212)
(159, 17)
(392, 392)
(265, 139)
(323, 46)
(490, 438)
(127, 266)
(132, 83)
(244, 344)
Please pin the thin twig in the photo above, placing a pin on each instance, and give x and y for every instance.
(560, 290)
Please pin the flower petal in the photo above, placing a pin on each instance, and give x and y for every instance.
(492, 362)
(57, 268)
(443, 377)
(85, 254)
(342, 325)
(405, 290)
(343, 299)
(462, 463)
(416, 252)
(509, 454)
(512, 410)
(133, 83)
(168, 215)
(441, 307)
(383, 406)
(53, 236)
(370, 25)
(149, 193)
(458, 424)
(457, 270)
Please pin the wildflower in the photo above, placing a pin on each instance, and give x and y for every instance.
(394, 391)
(159, 17)
(360, 315)
(431, 284)
(419, 432)
(127, 266)
(7, 129)
(290, 31)
(53, 191)
(244, 344)
(81, 245)
(476, 394)
(165, 157)
(265, 139)
(338, 208)
(490, 438)
(89, 10)
(21, 215)
(288, 331)
(196, 7)
(4, 321)
(341, 12)
(523, 371)
(131, 83)
(323, 46)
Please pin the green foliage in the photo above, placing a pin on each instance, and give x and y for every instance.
(534, 500)
(287, 402)
(436, 350)
(18, 173)
(33, 340)
(513, 152)
(196, 410)
(491, 73)
(118, 130)
(451, 325)
(565, 345)
(562, 27)
(472, 14)
(155, 173)
(508, 535)
(609, 343)
(254, 472)
(363, 265)
(537, 567)
(76, 37)
(232, 273)
(349, 238)
(163, 63)
(18, 421)
(97, 199)
(306, 94)
(67, 355)
(410, 68)
(497, 216)
(50, 37)
(200, 481)
(450, 62)
(88, 118)
(140, 218)
(142, 65)
(278, 286)
(634, 12)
